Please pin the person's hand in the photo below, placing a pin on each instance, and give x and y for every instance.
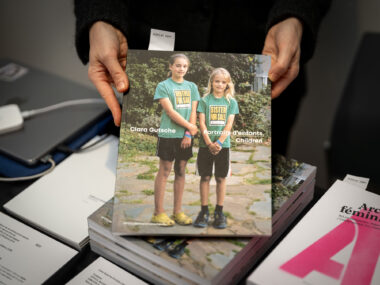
(108, 59)
(192, 129)
(186, 142)
(214, 148)
(283, 43)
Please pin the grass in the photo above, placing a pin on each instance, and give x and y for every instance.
(253, 213)
(228, 215)
(255, 181)
(264, 181)
(236, 242)
(122, 193)
(148, 175)
(145, 176)
(133, 144)
(250, 159)
(148, 192)
(195, 203)
(139, 201)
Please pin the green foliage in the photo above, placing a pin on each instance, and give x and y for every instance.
(254, 113)
(146, 70)
(134, 143)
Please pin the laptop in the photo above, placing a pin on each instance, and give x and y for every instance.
(31, 89)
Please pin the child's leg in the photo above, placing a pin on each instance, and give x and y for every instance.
(222, 168)
(179, 184)
(204, 186)
(220, 190)
(160, 185)
(222, 163)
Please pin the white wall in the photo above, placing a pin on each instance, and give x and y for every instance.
(40, 33)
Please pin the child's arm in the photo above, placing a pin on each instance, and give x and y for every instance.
(186, 141)
(203, 127)
(176, 117)
(227, 129)
(193, 115)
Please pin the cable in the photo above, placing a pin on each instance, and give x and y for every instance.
(48, 158)
(70, 150)
(32, 113)
(23, 178)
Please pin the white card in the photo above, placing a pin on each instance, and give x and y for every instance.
(358, 181)
(161, 40)
(28, 256)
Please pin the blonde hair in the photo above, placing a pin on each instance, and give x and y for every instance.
(230, 89)
(173, 58)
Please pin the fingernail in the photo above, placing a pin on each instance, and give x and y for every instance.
(120, 85)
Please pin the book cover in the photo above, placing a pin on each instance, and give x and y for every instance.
(337, 242)
(195, 146)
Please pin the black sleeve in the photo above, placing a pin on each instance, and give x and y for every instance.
(309, 12)
(87, 12)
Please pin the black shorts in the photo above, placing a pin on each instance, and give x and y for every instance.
(170, 149)
(206, 159)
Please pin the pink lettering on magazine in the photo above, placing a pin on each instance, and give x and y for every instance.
(362, 228)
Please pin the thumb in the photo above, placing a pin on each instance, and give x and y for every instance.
(280, 64)
(117, 73)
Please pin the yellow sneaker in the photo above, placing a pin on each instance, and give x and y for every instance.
(182, 219)
(163, 220)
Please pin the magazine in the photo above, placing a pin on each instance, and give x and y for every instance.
(337, 242)
(195, 146)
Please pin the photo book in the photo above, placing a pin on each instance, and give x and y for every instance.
(194, 156)
(203, 260)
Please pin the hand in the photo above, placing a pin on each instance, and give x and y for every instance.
(186, 142)
(192, 129)
(108, 59)
(214, 148)
(283, 43)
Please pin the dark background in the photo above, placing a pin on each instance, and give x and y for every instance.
(40, 33)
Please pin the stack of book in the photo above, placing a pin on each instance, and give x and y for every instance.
(205, 260)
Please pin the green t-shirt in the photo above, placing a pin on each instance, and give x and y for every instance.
(217, 111)
(181, 95)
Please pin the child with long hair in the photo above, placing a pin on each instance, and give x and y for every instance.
(217, 110)
(179, 99)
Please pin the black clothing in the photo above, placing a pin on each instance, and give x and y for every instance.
(234, 26)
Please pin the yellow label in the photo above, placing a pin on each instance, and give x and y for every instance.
(182, 98)
(218, 115)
